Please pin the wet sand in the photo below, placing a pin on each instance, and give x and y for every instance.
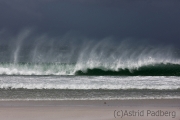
(168, 109)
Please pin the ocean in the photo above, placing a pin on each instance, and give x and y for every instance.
(88, 71)
(88, 87)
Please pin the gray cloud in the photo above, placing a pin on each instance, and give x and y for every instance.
(157, 20)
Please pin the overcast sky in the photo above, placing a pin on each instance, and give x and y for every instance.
(155, 20)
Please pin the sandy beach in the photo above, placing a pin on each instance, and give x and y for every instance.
(168, 109)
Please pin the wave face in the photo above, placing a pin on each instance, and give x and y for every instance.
(150, 70)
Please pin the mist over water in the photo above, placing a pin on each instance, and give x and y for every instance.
(29, 54)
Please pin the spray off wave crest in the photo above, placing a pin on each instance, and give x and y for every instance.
(52, 56)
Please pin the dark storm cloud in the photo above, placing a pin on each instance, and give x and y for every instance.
(157, 20)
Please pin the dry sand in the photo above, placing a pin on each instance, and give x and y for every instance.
(91, 110)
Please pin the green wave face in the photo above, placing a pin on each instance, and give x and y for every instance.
(150, 70)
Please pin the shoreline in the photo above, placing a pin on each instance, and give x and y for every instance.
(90, 109)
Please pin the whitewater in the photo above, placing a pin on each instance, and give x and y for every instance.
(88, 87)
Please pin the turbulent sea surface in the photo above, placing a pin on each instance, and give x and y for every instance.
(94, 70)
(29, 81)
(88, 87)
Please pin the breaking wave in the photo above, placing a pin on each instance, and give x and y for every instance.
(70, 55)
(167, 69)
